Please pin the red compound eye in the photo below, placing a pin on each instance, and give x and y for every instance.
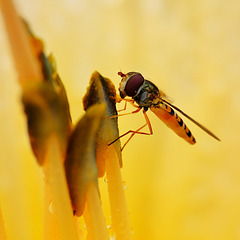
(133, 84)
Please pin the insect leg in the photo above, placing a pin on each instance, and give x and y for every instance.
(136, 131)
(148, 122)
(126, 101)
(123, 114)
(124, 108)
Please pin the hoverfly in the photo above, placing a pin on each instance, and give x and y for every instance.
(147, 96)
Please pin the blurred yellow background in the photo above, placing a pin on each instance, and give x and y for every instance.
(191, 50)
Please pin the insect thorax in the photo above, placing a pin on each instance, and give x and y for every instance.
(146, 95)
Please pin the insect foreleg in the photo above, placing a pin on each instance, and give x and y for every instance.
(119, 115)
(127, 101)
(124, 108)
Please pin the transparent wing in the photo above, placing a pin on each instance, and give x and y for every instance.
(187, 116)
(166, 97)
(194, 121)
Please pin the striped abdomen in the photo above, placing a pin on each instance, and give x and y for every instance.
(173, 121)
